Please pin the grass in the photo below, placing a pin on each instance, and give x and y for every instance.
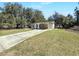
(51, 43)
(12, 31)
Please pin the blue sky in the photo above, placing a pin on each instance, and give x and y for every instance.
(48, 8)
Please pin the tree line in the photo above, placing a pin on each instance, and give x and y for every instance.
(68, 21)
(62, 21)
(14, 15)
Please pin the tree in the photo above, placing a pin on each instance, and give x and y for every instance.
(68, 21)
(28, 13)
(13, 14)
(62, 21)
(38, 17)
(58, 18)
(77, 15)
(50, 18)
(15, 10)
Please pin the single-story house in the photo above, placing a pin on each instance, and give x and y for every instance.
(43, 25)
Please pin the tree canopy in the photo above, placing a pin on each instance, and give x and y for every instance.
(14, 15)
(62, 21)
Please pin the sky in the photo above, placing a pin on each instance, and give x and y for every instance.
(49, 8)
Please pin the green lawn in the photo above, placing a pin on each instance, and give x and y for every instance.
(12, 31)
(53, 42)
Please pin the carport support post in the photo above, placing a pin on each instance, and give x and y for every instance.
(38, 25)
(34, 26)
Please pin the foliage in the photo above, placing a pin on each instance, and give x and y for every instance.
(14, 15)
(38, 17)
(68, 22)
(77, 15)
(62, 21)
(17, 16)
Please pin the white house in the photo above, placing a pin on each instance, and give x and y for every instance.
(43, 25)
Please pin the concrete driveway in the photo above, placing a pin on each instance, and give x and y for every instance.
(9, 41)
